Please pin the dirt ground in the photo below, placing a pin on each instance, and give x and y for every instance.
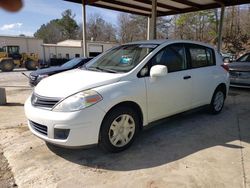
(194, 149)
(6, 176)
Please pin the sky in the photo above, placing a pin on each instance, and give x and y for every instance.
(37, 12)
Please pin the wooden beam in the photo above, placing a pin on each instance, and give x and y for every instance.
(85, 2)
(130, 5)
(184, 2)
(160, 5)
(173, 10)
(232, 2)
(90, 2)
(192, 9)
(189, 3)
(120, 9)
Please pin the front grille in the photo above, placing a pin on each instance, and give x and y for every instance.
(39, 128)
(44, 102)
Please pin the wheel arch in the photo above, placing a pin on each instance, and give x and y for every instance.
(130, 104)
(223, 87)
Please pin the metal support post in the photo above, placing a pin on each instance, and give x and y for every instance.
(84, 42)
(220, 28)
(152, 28)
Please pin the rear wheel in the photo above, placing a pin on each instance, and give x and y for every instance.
(30, 65)
(7, 65)
(119, 129)
(217, 102)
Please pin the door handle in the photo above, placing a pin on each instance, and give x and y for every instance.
(186, 77)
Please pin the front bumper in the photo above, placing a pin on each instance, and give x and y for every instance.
(83, 125)
(33, 81)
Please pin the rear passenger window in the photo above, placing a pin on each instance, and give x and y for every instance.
(210, 56)
(201, 56)
(173, 56)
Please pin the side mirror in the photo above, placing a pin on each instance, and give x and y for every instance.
(158, 71)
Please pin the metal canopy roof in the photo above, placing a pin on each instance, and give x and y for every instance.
(164, 7)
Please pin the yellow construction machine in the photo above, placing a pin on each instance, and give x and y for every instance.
(10, 57)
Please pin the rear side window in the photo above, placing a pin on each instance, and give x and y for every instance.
(210, 56)
(201, 56)
(173, 56)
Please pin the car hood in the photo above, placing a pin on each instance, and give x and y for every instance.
(48, 71)
(239, 66)
(67, 83)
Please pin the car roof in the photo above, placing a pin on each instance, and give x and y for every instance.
(168, 41)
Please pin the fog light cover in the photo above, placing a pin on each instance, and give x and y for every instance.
(61, 134)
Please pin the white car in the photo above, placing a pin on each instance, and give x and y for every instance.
(125, 89)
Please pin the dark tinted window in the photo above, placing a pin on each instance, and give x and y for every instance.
(210, 56)
(201, 56)
(173, 56)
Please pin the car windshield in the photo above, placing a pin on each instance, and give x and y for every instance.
(121, 59)
(72, 63)
(244, 58)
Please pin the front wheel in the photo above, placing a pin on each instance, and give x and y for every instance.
(217, 102)
(31, 65)
(119, 129)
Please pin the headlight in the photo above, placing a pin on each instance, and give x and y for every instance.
(40, 77)
(78, 101)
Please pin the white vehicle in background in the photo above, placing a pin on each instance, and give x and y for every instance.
(124, 89)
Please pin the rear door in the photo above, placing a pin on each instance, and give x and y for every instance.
(202, 63)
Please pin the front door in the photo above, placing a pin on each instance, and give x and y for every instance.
(170, 94)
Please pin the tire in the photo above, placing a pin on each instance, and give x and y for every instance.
(217, 101)
(119, 129)
(31, 65)
(7, 65)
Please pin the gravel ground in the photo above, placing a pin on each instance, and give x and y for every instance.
(14, 83)
(6, 176)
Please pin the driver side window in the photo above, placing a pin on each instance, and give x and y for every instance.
(173, 56)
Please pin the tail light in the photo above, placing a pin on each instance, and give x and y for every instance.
(226, 67)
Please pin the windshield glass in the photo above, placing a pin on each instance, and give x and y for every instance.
(72, 63)
(244, 58)
(121, 59)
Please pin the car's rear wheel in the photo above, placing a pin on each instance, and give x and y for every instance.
(217, 102)
(119, 129)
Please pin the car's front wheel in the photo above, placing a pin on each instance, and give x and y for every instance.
(119, 129)
(217, 102)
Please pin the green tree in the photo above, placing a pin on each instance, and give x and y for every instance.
(68, 25)
(100, 30)
(50, 32)
(59, 29)
(134, 27)
(199, 26)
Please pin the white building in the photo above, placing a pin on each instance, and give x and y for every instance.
(66, 49)
(26, 44)
(73, 48)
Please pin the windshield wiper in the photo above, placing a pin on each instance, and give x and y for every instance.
(106, 70)
(92, 69)
(101, 69)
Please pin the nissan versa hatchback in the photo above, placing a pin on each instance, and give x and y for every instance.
(126, 88)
